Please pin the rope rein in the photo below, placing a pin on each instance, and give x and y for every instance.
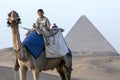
(24, 28)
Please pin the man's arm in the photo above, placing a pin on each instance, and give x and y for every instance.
(48, 24)
(37, 23)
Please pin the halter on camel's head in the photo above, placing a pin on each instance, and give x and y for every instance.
(13, 18)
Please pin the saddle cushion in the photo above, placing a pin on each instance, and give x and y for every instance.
(34, 43)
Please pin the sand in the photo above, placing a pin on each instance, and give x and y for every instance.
(84, 68)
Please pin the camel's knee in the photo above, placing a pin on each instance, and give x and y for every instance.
(23, 69)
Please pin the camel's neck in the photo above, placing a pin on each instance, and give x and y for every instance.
(16, 37)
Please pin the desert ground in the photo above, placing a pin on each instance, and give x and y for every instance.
(105, 67)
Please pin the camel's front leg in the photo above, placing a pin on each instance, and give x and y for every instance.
(22, 72)
(35, 74)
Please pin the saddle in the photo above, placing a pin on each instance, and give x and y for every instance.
(48, 33)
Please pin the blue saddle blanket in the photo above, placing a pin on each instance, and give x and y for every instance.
(34, 43)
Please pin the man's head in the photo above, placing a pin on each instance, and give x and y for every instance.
(40, 13)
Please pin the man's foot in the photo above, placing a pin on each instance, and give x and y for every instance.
(47, 43)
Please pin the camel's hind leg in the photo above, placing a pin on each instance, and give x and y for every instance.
(61, 72)
(67, 72)
(23, 73)
(67, 67)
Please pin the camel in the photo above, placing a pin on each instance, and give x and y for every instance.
(27, 62)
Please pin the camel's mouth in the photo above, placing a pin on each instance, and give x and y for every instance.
(13, 18)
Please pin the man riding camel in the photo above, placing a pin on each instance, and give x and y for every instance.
(43, 24)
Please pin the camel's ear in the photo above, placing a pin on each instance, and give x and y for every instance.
(9, 14)
(19, 20)
(8, 24)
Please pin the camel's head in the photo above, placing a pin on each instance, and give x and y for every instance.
(13, 19)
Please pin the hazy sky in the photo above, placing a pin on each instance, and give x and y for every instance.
(104, 14)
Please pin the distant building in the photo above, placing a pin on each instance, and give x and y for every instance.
(84, 38)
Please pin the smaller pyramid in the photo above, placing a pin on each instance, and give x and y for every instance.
(85, 38)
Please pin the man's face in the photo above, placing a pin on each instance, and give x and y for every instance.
(40, 14)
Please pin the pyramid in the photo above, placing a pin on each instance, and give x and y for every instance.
(85, 38)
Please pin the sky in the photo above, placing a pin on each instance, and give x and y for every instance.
(104, 14)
